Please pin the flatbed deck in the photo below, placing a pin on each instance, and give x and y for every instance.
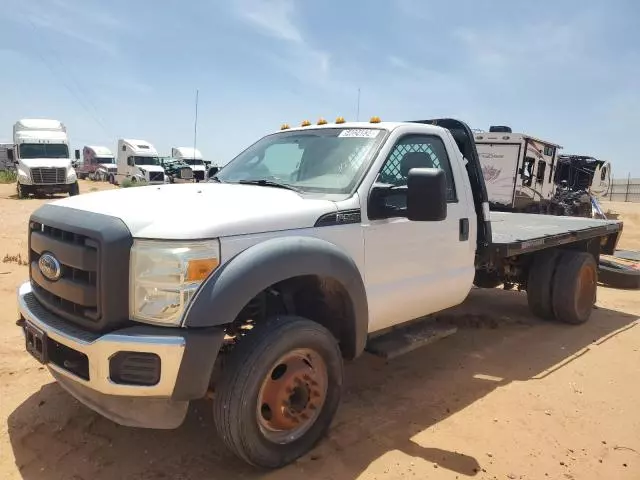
(518, 233)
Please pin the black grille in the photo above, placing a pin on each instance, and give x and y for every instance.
(93, 252)
(48, 176)
(76, 291)
(198, 175)
(156, 176)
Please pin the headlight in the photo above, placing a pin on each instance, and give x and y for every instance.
(164, 276)
(71, 175)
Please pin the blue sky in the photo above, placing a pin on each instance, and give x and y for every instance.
(565, 71)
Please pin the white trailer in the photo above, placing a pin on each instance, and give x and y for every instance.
(518, 168)
(193, 158)
(41, 155)
(138, 160)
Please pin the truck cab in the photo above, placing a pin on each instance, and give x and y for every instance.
(139, 161)
(193, 158)
(41, 155)
(98, 163)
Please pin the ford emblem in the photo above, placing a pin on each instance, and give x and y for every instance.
(50, 267)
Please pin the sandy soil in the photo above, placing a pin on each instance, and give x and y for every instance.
(507, 397)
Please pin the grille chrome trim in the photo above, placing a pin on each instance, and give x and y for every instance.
(48, 175)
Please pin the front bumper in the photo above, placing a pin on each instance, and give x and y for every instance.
(186, 361)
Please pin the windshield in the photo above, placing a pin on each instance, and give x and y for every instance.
(105, 160)
(193, 161)
(43, 150)
(327, 160)
(146, 160)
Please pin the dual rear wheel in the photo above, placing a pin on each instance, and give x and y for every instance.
(562, 285)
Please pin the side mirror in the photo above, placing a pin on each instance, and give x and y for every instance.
(426, 195)
(77, 154)
(10, 155)
(212, 171)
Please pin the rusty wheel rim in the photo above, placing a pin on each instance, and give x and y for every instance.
(292, 395)
(586, 284)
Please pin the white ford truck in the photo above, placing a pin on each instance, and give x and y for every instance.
(317, 243)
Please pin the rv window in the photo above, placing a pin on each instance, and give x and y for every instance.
(527, 171)
(549, 151)
(144, 147)
(130, 161)
(542, 166)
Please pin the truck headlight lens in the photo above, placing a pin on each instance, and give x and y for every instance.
(164, 276)
(71, 175)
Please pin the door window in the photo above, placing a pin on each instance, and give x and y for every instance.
(415, 151)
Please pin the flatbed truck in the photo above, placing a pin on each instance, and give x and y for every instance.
(312, 246)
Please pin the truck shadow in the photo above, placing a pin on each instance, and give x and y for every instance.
(385, 404)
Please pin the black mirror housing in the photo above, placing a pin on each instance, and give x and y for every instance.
(426, 195)
(77, 154)
(10, 154)
(212, 171)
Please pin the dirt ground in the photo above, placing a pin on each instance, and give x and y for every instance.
(507, 397)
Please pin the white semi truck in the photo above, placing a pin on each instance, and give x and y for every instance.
(138, 161)
(192, 157)
(41, 155)
(318, 243)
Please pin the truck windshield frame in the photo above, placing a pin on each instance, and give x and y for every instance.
(319, 160)
(105, 160)
(193, 161)
(43, 150)
(144, 160)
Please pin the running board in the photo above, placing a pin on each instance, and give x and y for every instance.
(406, 339)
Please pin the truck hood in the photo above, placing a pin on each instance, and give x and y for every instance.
(46, 162)
(192, 211)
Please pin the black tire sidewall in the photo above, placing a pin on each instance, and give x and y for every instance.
(565, 296)
(243, 379)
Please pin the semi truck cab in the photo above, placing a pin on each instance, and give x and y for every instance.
(41, 155)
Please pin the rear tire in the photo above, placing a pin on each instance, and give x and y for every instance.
(540, 284)
(574, 287)
(275, 428)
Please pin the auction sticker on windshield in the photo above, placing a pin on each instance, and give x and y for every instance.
(360, 133)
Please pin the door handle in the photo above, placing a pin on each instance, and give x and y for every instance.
(464, 229)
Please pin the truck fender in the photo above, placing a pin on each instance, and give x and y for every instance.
(227, 290)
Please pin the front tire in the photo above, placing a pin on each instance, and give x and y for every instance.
(21, 191)
(74, 189)
(279, 390)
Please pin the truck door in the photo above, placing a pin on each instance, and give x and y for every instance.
(416, 268)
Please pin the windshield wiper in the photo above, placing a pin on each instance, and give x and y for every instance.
(269, 183)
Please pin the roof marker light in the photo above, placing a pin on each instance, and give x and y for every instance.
(340, 120)
(285, 126)
(305, 123)
(375, 120)
(322, 121)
